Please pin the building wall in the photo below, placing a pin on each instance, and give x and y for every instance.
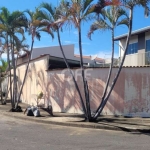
(22, 60)
(131, 95)
(54, 51)
(147, 35)
(34, 81)
(122, 43)
(137, 59)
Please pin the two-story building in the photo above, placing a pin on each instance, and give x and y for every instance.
(138, 53)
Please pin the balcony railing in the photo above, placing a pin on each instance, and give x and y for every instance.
(137, 59)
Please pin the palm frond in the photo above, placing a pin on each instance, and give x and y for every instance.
(86, 4)
(46, 30)
(98, 25)
(48, 7)
(37, 35)
(4, 13)
(123, 22)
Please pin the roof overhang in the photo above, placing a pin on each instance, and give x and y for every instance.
(58, 63)
(142, 30)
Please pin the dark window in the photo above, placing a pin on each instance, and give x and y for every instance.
(132, 48)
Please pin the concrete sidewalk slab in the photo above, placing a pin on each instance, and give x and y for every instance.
(76, 120)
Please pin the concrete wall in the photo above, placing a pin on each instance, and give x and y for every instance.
(34, 81)
(131, 95)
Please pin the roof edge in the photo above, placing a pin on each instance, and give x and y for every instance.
(145, 29)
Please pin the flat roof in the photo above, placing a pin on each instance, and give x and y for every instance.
(145, 29)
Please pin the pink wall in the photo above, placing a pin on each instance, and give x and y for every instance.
(130, 97)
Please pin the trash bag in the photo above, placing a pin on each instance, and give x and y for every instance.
(36, 112)
(32, 111)
(33, 108)
(29, 112)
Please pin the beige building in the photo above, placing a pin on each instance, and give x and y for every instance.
(138, 53)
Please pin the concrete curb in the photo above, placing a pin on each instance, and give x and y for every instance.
(81, 124)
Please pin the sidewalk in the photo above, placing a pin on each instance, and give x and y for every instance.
(141, 125)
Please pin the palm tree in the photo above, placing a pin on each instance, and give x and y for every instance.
(130, 4)
(10, 24)
(77, 12)
(113, 17)
(35, 26)
(49, 15)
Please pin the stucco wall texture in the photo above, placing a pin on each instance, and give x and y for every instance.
(130, 97)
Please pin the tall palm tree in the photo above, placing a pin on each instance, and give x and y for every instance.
(130, 4)
(78, 11)
(49, 15)
(112, 17)
(10, 24)
(35, 26)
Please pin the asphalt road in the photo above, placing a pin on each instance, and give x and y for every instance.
(24, 135)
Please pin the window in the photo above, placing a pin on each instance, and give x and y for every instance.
(132, 48)
(147, 45)
(147, 54)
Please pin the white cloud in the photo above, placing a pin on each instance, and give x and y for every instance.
(75, 32)
(68, 42)
(105, 54)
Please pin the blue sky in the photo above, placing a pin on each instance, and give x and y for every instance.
(101, 41)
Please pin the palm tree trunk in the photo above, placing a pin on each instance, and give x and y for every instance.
(25, 74)
(110, 70)
(8, 60)
(111, 66)
(101, 107)
(86, 92)
(76, 85)
(14, 73)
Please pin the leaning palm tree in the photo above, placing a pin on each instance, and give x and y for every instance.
(49, 15)
(129, 4)
(35, 26)
(111, 17)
